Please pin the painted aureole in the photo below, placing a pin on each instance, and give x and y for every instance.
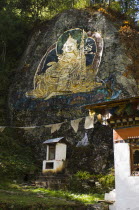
(56, 164)
(127, 186)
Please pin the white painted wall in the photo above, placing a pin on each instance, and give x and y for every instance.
(47, 153)
(60, 151)
(60, 156)
(58, 166)
(127, 186)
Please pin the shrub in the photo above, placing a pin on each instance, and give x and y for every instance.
(83, 175)
(107, 182)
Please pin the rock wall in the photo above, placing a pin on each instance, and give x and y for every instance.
(109, 77)
(110, 74)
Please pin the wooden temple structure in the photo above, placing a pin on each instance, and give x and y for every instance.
(123, 116)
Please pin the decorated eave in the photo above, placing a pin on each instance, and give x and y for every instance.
(122, 112)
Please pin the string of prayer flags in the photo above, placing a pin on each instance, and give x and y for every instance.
(47, 126)
(89, 123)
(27, 128)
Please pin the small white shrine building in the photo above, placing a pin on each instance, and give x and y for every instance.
(56, 150)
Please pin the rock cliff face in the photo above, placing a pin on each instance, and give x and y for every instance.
(71, 61)
(33, 101)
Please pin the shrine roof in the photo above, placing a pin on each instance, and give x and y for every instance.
(55, 140)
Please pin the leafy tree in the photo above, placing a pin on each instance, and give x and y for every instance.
(129, 7)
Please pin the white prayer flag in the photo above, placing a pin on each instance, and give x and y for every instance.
(2, 128)
(55, 127)
(89, 122)
(75, 124)
(84, 141)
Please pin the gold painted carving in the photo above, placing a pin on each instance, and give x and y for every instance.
(68, 75)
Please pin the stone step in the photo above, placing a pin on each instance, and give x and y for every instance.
(53, 181)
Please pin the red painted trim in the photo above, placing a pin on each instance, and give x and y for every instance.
(125, 133)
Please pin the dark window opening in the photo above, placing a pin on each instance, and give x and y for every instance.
(135, 160)
(50, 165)
(51, 152)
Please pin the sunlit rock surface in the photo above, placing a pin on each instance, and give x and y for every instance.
(31, 103)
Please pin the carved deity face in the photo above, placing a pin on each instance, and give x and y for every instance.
(70, 45)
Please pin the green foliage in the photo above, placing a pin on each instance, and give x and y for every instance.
(30, 201)
(80, 182)
(83, 175)
(84, 182)
(84, 198)
(14, 31)
(39, 9)
(107, 181)
(12, 36)
(116, 6)
(16, 158)
(81, 4)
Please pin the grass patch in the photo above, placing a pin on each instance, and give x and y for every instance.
(26, 197)
(83, 198)
(28, 200)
